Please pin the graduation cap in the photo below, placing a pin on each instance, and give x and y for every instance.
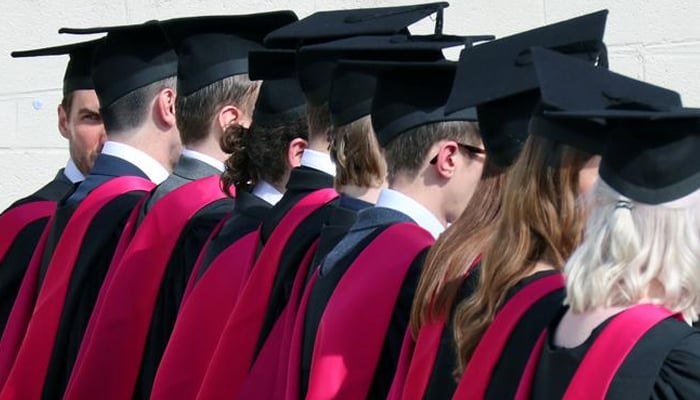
(79, 69)
(409, 95)
(279, 101)
(211, 48)
(131, 57)
(325, 26)
(498, 78)
(315, 63)
(272, 64)
(570, 86)
(350, 90)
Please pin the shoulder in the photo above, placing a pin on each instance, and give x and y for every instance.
(679, 377)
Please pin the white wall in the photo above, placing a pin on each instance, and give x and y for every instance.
(654, 40)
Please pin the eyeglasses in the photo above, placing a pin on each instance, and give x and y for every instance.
(473, 150)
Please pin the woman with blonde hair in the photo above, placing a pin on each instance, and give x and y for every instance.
(633, 285)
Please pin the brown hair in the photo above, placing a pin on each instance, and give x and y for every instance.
(258, 153)
(406, 153)
(133, 109)
(542, 220)
(196, 112)
(67, 103)
(357, 155)
(457, 248)
(319, 120)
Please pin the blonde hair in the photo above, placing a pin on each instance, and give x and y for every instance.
(630, 248)
(357, 155)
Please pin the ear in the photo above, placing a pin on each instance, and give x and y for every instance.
(164, 108)
(228, 116)
(295, 150)
(446, 163)
(63, 122)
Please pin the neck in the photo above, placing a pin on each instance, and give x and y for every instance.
(368, 194)
(320, 145)
(151, 142)
(428, 198)
(209, 146)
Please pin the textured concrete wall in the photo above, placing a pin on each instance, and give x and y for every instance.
(655, 40)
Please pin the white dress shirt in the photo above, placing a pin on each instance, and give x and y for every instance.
(152, 168)
(267, 192)
(189, 153)
(72, 172)
(317, 160)
(398, 201)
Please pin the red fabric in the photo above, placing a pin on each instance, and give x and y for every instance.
(110, 357)
(234, 354)
(292, 388)
(194, 275)
(600, 364)
(124, 240)
(399, 382)
(27, 375)
(424, 356)
(477, 374)
(353, 327)
(525, 385)
(14, 220)
(268, 376)
(22, 309)
(201, 320)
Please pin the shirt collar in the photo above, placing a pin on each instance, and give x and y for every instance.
(152, 168)
(317, 160)
(189, 153)
(398, 201)
(72, 172)
(267, 192)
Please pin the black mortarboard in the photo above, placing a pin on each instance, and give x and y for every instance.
(279, 101)
(325, 26)
(409, 95)
(211, 48)
(272, 64)
(315, 63)
(499, 79)
(570, 85)
(131, 57)
(79, 69)
(351, 90)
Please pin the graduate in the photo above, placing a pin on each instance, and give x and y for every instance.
(452, 267)
(297, 219)
(434, 162)
(214, 92)
(80, 122)
(261, 161)
(134, 76)
(632, 284)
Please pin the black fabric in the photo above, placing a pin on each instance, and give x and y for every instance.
(172, 288)
(302, 182)
(14, 265)
(664, 364)
(511, 364)
(391, 349)
(55, 190)
(90, 269)
(248, 213)
(442, 383)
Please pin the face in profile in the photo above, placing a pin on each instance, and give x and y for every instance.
(81, 124)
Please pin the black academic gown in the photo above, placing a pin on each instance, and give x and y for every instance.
(370, 223)
(248, 213)
(302, 181)
(178, 270)
(91, 266)
(14, 265)
(664, 364)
